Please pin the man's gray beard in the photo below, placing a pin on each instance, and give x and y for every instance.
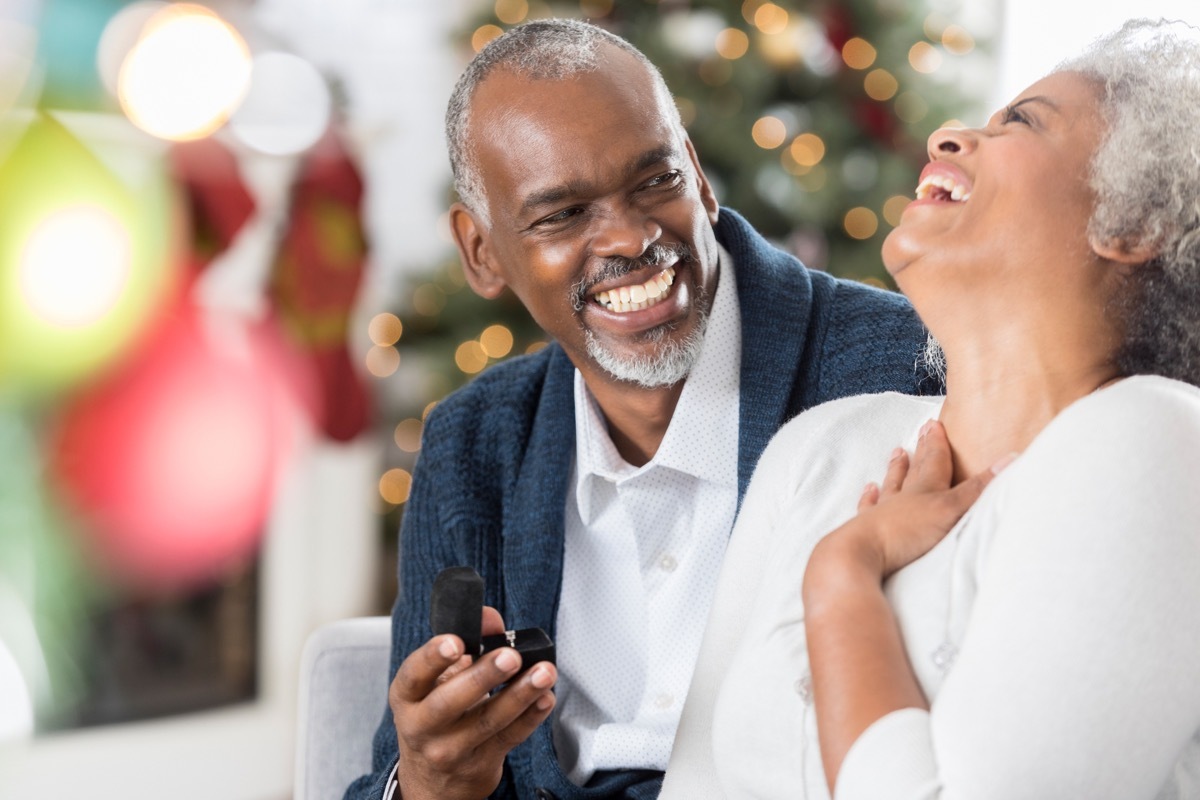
(671, 364)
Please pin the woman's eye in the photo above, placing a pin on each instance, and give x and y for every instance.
(1015, 115)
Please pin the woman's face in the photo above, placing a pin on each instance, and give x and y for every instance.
(1002, 211)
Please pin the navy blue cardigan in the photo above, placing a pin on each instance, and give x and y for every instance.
(491, 482)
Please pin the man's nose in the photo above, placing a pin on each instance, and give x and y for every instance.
(625, 232)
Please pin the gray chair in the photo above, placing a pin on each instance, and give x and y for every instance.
(343, 691)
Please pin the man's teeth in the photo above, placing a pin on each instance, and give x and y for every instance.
(944, 188)
(638, 296)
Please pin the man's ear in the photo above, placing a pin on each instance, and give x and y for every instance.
(474, 248)
(1123, 252)
(707, 197)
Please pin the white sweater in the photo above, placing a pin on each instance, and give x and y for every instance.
(1055, 631)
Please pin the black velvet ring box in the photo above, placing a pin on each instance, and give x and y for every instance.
(456, 606)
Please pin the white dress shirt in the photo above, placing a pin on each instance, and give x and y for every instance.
(643, 550)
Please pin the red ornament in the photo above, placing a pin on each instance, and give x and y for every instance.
(172, 460)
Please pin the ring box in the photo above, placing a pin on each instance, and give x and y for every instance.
(456, 606)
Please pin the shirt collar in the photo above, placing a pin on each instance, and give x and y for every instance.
(702, 438)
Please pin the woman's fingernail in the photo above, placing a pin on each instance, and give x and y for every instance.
(925, 429)
(544, 702)
(448, 648)
(899, 451)
(1002, 463)
(540, 677)
(507, 660)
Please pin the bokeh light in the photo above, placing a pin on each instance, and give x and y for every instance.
(911, 107)
(395, 486)
(858, 53)
(860, 223)
(958, 40)
(84, 258)
(382, 362)
(120, 36)
(769, 132)
(428, 300)
(807, 149)
(880, 84)
(894, 207)
(186, 75)
(496, 341)
(732, 43)
(510, 12)
(484, 34)
(408, 434)
(770, 18)
(924, 57)
(287, 107)
(75, 266)
(385, 329)
(595, 9)
(470, 357)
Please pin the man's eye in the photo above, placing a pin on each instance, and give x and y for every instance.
(561, 216)
(666, 179)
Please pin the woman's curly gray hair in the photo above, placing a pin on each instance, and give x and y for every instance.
(548, 49)
(1146, 175)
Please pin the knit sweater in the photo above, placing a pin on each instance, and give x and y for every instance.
(490, 486)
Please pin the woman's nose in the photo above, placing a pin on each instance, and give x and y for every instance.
(950, 140)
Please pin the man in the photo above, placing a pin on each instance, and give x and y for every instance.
(593, 485)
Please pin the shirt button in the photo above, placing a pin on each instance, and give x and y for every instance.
(667, 563)
(664, 700)
(803, 688)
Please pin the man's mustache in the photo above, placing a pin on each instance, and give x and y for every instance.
(615, 267)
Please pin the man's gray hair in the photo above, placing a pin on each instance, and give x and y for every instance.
(1146, 176)
(550, 49)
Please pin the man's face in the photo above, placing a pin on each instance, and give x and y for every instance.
(601, 220)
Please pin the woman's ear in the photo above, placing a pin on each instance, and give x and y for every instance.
(474, 248)
(1121, 251)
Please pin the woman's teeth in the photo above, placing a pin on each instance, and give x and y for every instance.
(638, 296)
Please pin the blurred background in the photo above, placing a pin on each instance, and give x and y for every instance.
(228, 298)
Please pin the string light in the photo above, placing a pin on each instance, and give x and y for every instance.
(768, 132)
(408, 434)
(880, 85)
(770, 18)
(186, 75)
(510, 12)
(858, 53)
(428, 300)
(894, 207)
(382, 362)
(924, 57)
(470, 357)
(594, 9)
(911, 107)
(385, 329)
(860, 223)
(807, 149)
(496, 341)
(484, 34)
(957, 40)
(732, 43)
(395, 486)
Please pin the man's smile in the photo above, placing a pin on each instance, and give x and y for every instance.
(637, 296)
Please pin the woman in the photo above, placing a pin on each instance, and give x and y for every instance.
(965, 632)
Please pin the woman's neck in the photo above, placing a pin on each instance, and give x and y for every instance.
(998, 399)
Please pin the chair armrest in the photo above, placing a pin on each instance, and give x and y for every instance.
(343, 693)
